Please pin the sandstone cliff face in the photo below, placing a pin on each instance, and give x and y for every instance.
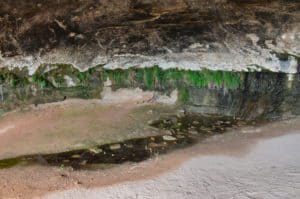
(216, 34)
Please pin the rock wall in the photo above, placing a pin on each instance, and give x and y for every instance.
(247, 95)
(193, 34)
(261, 96)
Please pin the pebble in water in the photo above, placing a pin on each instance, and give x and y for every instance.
(169, 138)
(115, 146)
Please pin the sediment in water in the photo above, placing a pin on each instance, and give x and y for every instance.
(177, 132)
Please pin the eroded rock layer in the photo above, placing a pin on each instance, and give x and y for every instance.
(194, 34)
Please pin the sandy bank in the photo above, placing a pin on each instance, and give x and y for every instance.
(269, 170)
(235, 153)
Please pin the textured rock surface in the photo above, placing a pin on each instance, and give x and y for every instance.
(219, 34)
(262, 95)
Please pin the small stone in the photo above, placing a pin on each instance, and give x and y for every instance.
(167, 132)
(195, 122)
(180, 136)
(95, 150)
(180, 113)
(150, 112)
(72, 34)
(79, 36)
(115, 146)
(76, 156)
(169, 138)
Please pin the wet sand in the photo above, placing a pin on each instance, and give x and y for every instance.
(76, 124)
(247, 160)
(270, 169)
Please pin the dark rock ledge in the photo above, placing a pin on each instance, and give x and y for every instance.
(218, 34)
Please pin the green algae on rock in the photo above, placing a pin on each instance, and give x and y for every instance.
(239, 94)
(155, 78)
(55, 82)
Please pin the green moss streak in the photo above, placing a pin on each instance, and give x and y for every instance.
(9, 163)
(183, 95)
(155, 77)
(54, 76)
(51, 82)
